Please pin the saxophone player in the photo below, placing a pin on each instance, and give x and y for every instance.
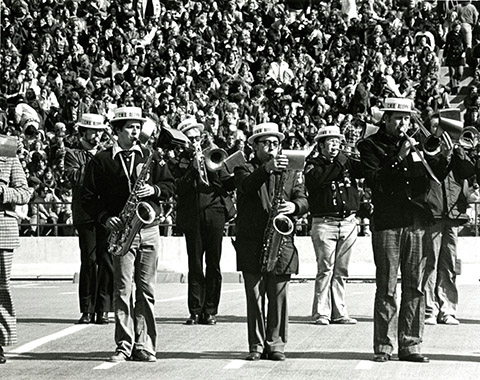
(109, 180)
(256, 183)
(330, 179)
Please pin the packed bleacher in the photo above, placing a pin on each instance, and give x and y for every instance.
(231, 64)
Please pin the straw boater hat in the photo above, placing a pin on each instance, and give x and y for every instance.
(92, 121)
(265, 129)
(128, 113)
(188, 124)
(398, 105)
(329, 131)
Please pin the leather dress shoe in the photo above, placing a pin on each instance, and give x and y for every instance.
(254, 356)
(102, 318)
(118, 357)
(86, 318)
(382, 358)
(276, 356)
(415, 358)
(3, 359)
(193, 319)
(208, 319)
(143, 356)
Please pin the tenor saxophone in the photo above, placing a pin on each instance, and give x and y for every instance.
(134, 215)
(278, 226)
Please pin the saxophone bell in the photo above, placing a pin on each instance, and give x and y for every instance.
(145, 212)
(283, 224)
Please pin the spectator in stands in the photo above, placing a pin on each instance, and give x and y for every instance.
(455, 53)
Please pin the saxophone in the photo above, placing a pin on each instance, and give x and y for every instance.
(134, 215)
(278, 226)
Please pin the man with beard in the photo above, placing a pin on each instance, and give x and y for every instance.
(330, 179)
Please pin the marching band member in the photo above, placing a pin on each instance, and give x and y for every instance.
(111, 177)
(203, 208)
(448, 203)
(256, 192)
(95, 288)
(399, 179)
(330, 179)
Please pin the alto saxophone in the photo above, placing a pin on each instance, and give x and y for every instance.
(134, 215)
(278, 226)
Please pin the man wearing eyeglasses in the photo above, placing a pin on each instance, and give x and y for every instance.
(256, 182)
(203, 208)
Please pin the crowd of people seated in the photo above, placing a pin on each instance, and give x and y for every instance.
(230, 64)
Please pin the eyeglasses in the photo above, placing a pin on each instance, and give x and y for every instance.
(269, 143)
(194, 138)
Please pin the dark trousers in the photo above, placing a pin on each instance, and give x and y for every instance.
(205, 238)
(267, 332)
(96, 269)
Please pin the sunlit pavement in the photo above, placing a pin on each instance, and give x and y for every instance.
(51, 346)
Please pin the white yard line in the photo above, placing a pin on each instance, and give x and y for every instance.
(46, 339)
(235, 364)
(185, 296)
(106, 365)
(365, 364)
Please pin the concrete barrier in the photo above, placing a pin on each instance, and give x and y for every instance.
(59, 257)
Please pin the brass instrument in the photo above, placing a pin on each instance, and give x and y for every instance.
(470, 138)
(449, 121)
(279, 224)
(214, 156)
(210, 158)
(135, 214)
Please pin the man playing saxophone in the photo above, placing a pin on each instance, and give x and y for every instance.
(110, 178)
(258, 188)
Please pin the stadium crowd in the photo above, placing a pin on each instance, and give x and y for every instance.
(231, 64)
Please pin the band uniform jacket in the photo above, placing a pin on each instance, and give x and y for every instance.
(188, 201)
(448, 200)
(332, 186)
(252, 217)
(15, 191)
(106, 184)
(76, 160)
(399, 187)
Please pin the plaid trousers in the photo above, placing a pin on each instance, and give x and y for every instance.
(399, 247)
(8, 322)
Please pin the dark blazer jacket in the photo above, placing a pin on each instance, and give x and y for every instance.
(252, 218)
(76, 161)
(399, 188)
(188, 201)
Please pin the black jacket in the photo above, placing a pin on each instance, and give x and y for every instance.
(398, 187)
(106, 184)
(76, 161)
(332, 188)
(193, 197)
(252, 218)
(448, 200)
